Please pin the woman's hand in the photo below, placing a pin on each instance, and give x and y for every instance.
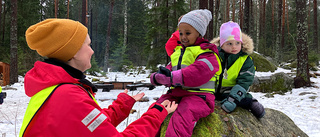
(136, 97)
(170, 106)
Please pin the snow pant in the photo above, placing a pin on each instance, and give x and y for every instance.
(192, 106)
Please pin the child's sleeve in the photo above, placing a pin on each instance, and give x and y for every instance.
(246, 74)
(201, 71)
(172, 43)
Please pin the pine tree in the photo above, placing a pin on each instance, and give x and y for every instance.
(302, 77)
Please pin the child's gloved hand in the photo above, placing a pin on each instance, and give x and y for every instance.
(165, 77)
(228, 104)
(237, 93)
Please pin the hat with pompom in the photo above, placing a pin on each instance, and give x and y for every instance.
(198, 19)
(56, 38)
(230, 31)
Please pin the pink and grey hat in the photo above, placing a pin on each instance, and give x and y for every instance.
(230, 31)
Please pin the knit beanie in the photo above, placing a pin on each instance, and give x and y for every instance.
(230, 31)
(198, 19)
(56, 38)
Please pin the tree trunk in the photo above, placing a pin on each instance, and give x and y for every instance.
(278, 42)
(272, 20)
(1, 22)
(216, 14)
(287, 12)
(309, 14)
(263, 26)
(259, 24)
(55, 8)
(251, 21)
(4, 21)
(241, 14)
(203, 4)
(14, 43)
(282, 24)
(125, 32)
(106, 55)
(246, 17)
(84, 13)
(233, 10)
(315, 23)
(210, 27)
(68, 9)
(227, 11)
(302, 77)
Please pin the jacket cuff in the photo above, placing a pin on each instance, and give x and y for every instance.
(177, 78)
(127, 99)
(159, 109)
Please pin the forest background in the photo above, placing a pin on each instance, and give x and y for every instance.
(134, 32)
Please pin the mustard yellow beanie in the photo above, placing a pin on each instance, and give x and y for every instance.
(56, 38)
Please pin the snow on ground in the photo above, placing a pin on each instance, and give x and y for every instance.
(301, 105)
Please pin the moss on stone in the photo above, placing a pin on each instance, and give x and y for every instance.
(241, 123)
(210, 126)
(262, 64)
(278, 83)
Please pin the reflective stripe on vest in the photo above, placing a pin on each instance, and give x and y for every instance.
(36, 103)
(182, 58)
(233, 72)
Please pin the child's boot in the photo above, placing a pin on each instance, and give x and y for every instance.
(257, 109)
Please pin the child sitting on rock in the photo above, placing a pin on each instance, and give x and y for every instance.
(191, 75)
(237, 70)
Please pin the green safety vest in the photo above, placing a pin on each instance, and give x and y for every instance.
(182, 58)
(35, 104)
(230, 76)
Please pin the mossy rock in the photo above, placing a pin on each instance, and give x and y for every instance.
(312, 65)
(262, 64)
(241, 123)
(278, 83)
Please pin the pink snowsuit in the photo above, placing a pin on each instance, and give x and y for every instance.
(192, 105)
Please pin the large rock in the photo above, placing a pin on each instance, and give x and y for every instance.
(278, 83)
(263, 64)
(241, 123)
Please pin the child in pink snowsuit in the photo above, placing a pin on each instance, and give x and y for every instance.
(173, 41)
(191, 74)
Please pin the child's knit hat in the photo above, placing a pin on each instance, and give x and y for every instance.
(230, 31)
(56, 38)
(199, 19)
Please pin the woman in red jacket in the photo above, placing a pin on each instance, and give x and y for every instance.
(62, 101)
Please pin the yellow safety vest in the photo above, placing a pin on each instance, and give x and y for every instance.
(230, 76)
(183, 58)
(35, 104)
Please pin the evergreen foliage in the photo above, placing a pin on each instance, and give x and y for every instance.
(150, 25)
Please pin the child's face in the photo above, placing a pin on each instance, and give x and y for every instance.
(232, 46)
(188, 34)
